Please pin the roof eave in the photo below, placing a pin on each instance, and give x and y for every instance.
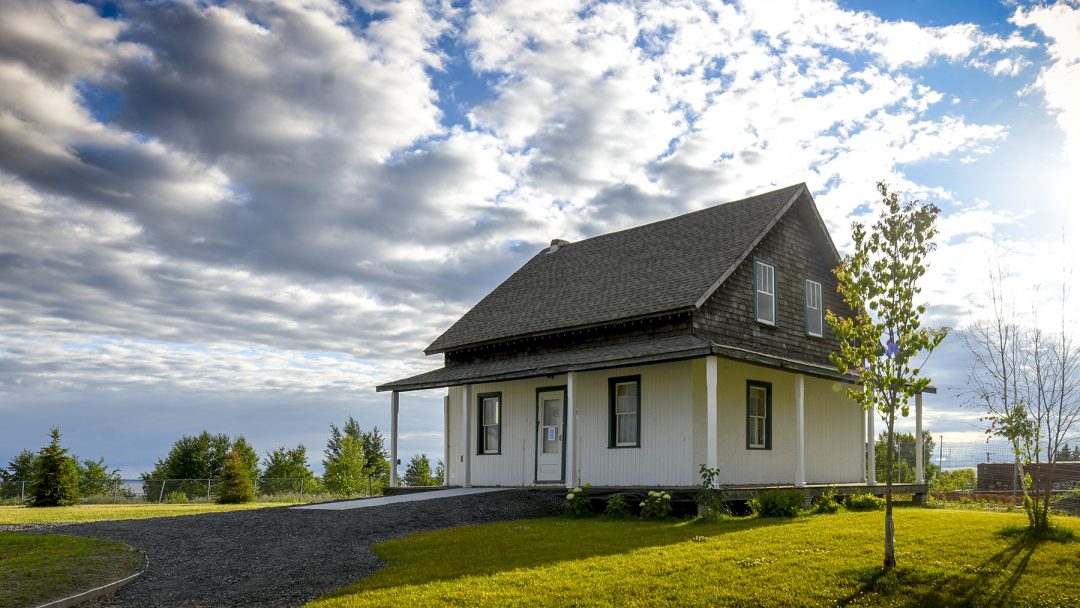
(561, 330)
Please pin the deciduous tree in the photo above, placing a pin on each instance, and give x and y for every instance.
(882, 340)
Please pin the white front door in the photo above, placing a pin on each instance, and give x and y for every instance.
(550, 414)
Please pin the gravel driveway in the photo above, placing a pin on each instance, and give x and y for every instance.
(282, 556)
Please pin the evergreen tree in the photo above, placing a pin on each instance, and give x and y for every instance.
(56, 476)
(440, 473)
(378, 460)
(236, 481)
(346, 473)
(418, 472)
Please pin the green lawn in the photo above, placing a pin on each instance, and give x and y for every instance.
(946, 557)
(84, 513)
(35, 569)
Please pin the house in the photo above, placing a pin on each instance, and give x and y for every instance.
(632, 358)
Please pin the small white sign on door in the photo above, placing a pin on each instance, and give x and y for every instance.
(551, 433)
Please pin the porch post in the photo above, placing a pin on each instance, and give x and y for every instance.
(569, 443)
(466, 435)
(871, 457)
(712, 443)
(393, 439)
(446, 439)
(800, 442)
(920, 474)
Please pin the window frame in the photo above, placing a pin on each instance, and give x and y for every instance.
(758, 263)
(751, 385)
(613, 416)
(820, 308)
(481, 434)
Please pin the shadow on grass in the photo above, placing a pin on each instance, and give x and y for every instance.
(991, 583)
(492, 548)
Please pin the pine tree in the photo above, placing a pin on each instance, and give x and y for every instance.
(56, 476)
(236, 481)
(418, 472)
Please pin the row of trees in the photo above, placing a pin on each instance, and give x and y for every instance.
(354, 461)
(54, 478)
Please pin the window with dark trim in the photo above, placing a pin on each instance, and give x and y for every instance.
(766, 304)
(489, 416)
(758, 415)
(624, 415)
(813, 308)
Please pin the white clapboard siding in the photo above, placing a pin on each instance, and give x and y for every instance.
(673, 429)
(833, 431)
(665, 457)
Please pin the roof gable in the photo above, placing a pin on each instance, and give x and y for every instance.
(662, 267)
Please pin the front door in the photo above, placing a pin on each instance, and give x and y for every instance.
(550, 414)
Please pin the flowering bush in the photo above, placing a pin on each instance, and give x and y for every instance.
(657, 505)
(616, 507)
(577, 502)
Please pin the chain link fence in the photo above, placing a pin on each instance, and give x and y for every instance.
(120, 491)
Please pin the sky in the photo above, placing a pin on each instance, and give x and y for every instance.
(242, 216)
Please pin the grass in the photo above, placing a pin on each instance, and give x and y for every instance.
(85, 513)
(36, 569)
(947, 558)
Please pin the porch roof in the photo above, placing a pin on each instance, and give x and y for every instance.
(654, 350)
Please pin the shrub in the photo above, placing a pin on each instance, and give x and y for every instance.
(657, 505)
(56, 476)
(777, 503)
(176, 497)
(864, 502)
(577, 503)
(616, 507)
(826, 503)
(236, 480)
(710, 499)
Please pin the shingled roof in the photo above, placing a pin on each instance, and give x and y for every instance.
(667, 266)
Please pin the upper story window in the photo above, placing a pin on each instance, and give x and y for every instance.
(624, 395)
(490, 423)
(765, 304)
(813, 308)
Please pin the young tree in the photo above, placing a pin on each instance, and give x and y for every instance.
(199, 457)
(904, 463)
(346, 473)
(440, 473)
(879, 343)
(56, 477)
(377, 458)
(95, 478)
(20, 468)
(236, 481)
(282, 470)
(377, 467)
(418, 472)
(1028, 382)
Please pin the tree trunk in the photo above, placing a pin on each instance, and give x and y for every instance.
(890, 536)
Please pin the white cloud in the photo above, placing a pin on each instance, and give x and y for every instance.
(1060, 80)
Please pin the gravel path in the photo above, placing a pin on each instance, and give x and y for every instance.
(281, 556)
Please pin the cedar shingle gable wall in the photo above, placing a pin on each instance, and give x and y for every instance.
(658, 268)
(797, 247)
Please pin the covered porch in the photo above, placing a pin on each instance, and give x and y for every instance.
(570, 369)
